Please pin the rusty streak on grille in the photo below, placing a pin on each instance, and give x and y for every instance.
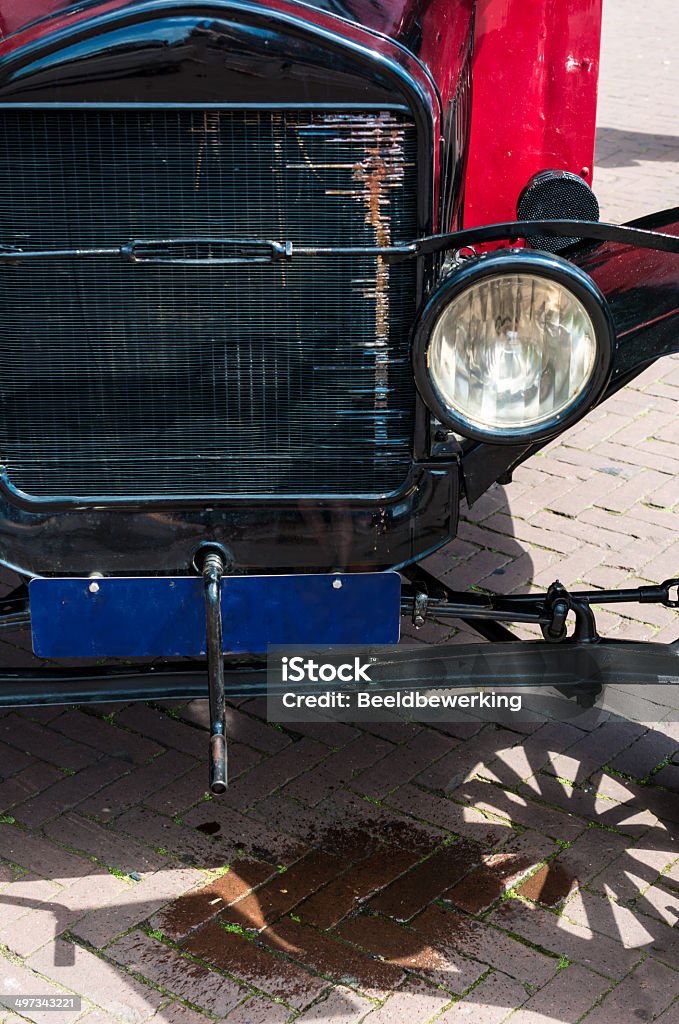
(282, 379)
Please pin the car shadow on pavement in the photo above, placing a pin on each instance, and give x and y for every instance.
(617, 147)
(420, 865)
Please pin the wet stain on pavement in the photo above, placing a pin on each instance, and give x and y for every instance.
(549, 886)
(209, 828)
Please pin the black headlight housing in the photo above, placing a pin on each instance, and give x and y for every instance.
(514, 347)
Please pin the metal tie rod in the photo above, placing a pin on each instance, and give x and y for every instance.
(213, 570)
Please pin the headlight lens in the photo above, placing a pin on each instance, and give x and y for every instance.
(512, 352)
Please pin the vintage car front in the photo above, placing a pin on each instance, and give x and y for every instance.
(269, 315)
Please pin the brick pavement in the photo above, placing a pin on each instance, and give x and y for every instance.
(401, 873)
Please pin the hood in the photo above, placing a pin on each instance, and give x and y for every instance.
(429, 37)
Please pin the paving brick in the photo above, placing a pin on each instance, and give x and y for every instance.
(570, 571)
(13, 760)
(350, 818)
(639, 759)
(168, 969)
(489, 1003)
(529, 533)
(397, 944)
(522, 757)
(498, 871)
(92, 839)
(333, 902)
(25, 893)
(290, 817)
(342, 1006)
(166, 731)
(606, 916)
(275, 772)
(55, 749)
(645, 993)
(586, 804)
(658, 902)
(138, 784)
(324, 954)
(414, 1002)
(519, 809)
(243, 960)
(20, 787)
(40, 856)
(9, 874)
(259, 1010)
(135, 903)
(52, 916)
(165, 835)
(464, 821)
(454, 931)
(338, 769)
(589, 854)
(483, 538)
(16, 979)
(285, 890)
(401, 764)
(594, 750)
(523, 571)
(180, 794)
(200, 905)
(575, 501)
(483, 565)
(670, 1015)
(107, 738)
(241, 727)
(574, 987)
(103, 984)
(563, 938)
(411, 893)
(237, 833)
(68, 791)
(646, 485)
(461, 763)
(99, 1017)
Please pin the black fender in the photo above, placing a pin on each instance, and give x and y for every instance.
(641, 287)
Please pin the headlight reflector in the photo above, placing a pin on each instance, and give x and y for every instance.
(511, 351)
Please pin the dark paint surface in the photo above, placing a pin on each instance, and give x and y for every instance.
(274, 537)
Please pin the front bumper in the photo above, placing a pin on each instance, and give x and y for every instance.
(530, 664)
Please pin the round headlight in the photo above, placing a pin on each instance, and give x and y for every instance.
(515, 346)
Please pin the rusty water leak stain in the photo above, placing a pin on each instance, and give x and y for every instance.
(208, 133)
(381, 170)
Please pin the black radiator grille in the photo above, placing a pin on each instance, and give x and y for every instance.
(120, 379)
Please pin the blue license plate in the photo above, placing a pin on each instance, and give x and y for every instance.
(162, 616)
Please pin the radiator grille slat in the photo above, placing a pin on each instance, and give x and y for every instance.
(122, 379)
